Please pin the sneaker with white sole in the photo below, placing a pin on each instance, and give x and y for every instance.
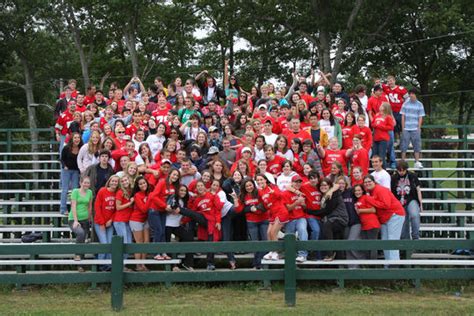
(300, 259)
(268, 256)
(418, 165)
(275, 256)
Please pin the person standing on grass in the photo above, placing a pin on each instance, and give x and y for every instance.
(81, 213)
(406, 187)
(412, 118)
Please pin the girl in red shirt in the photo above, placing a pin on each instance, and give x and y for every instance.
(272, 198)
(124, 208)
(209, 206)
(347, 131)
(357, 176)
(138, 219)
(364, 131)
(159, 208)
(382, 123)
(257, 216)
(370, 225)
(390, 213)
(359, 156)
(104, 211)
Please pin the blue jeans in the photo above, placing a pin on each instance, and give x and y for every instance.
(157, 222)
(392, 230)
(258, 231)
(380, 149)
(227, 231)
(123, 229)
(412, 220)
(315, 228)
(299, 225)
(69, 180)
(105, 237)
(391, 149)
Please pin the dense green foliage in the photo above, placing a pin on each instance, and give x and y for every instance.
(425, 43)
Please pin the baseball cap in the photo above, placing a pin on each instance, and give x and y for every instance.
(246, 149)
(296, 178)
(213, 150)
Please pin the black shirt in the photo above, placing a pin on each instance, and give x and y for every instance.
(68, 159)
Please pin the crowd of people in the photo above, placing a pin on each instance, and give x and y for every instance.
(209, 162)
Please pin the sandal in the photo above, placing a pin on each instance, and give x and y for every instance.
(233, 266)
(158, 257)
(166, 257)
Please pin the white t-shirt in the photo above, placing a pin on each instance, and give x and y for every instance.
(156, 143)
(284, 181)
(270, 139)
(383, 178)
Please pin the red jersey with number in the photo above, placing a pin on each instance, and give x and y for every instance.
(331, 156)
(161, 115)
(63, 122)
(396, 96)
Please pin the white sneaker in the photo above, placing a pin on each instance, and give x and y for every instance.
(300, 259)
(268, 256)
(275, 256)
(418, 165)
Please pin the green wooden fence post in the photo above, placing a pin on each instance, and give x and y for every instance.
(117, 273)
(290, 269)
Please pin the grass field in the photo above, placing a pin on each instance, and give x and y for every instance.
(438, 298)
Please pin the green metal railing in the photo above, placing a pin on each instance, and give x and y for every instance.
(290, 273)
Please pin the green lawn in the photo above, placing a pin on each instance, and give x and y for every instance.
(246, 299)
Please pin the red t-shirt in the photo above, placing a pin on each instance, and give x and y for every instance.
(210, 206)
(367, 220)
(140, 207)
(313, 198)
(104, 206)
(347, 134)
(123, 215)
(385, 203)
(360, 158)
(274, 203)
(254, 217)
(274, 165)
(382, 125)
(159, 196)
(302, 135)
(298, 211)
(366, 134)
(332, 156)
(374, 103)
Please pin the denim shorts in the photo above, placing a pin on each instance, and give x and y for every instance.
(138, 226)
(411, 136)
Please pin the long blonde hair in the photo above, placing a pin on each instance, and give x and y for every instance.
(91, 147)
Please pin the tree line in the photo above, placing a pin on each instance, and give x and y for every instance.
(427, 44)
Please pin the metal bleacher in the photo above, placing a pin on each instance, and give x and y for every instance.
(30, 193)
